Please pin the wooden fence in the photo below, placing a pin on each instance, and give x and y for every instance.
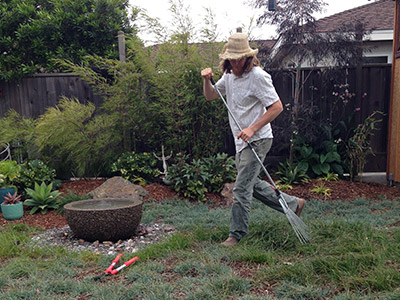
(31, 96)
(370, 84)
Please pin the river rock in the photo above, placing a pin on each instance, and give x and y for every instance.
(118, 187)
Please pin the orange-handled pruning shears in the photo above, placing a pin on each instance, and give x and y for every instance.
(111, 271)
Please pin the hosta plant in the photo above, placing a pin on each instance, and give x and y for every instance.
(42, 198)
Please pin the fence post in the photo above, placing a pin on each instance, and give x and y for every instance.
(121, 46)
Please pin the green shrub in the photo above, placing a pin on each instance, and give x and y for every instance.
(19, 132)
(10, 171)
(71, 133)
(319, 162)
(291, 173)
(221, 169)
(36, 171)
(140, 168)
(359, 145)
(42, 198)
(199, 176)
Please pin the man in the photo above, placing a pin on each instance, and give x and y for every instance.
(249, 91)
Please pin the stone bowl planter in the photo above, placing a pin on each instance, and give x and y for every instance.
(105, 219)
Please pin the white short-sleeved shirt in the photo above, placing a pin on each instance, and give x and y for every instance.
(247, 97)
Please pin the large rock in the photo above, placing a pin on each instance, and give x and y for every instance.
(227, 192)
(118, 187)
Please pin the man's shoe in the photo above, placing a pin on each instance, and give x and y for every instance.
(230, 242)
(300, 206)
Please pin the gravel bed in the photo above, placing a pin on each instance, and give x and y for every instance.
(145, 234)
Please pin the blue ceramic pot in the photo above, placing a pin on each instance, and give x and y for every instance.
(12, 211)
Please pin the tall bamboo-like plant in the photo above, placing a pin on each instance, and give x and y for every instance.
(156, 97)
(359, 145)
(71, 132)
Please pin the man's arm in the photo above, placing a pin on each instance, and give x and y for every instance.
(273, 111)
(208, 89)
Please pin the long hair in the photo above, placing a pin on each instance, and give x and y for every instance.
(251, 61)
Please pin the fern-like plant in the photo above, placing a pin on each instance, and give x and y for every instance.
(42, 198)
(71, 132)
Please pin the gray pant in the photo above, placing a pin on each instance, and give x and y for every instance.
(249, 185)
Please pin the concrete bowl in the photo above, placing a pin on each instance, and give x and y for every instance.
(106, 219)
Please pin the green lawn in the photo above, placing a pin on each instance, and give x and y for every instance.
(354, 254)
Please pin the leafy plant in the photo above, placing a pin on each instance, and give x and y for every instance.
(151, 108)
(189, 178)
(359, 145)
(36, 171)
(330, 177)
(10, 171)
(19, 132)
(140, 168)
(68, 198)
(34, 33)
(42, 198)
(319, 163)
(322, 190)
(284, 186)
(10, 199)
(291, 173)
(193, 179)
(221, 169)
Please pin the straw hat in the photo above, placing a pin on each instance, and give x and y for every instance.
(237, 47)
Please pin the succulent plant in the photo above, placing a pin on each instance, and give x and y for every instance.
(11, 198)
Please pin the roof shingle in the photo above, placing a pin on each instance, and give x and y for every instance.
(377, 15)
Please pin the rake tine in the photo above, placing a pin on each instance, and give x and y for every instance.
(299, 227)
(297, 224)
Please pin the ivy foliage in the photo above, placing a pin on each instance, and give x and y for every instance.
(34, 32)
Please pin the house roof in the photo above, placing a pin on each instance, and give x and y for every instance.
(377, 15)
(269, 44)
